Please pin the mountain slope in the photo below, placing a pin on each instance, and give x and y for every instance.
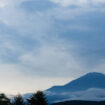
(88, 87)
(91, 80)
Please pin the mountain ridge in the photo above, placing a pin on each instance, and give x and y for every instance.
(90, 86)
(90, 80)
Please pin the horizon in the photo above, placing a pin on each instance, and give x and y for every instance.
(49, 42)
(63, 84)
(57, 84)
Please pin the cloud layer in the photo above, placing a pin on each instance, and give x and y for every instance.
(50, 39)
(92, 94)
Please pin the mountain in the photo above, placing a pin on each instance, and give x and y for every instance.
(90, 80)
(88, 87)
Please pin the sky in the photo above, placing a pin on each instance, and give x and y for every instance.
(49, 42)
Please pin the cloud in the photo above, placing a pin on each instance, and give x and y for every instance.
(70, 2)
(81, 3)
(92, 94)
(51, 60)
(60, 39)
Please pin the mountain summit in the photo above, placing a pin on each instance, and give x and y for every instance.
(90, 80)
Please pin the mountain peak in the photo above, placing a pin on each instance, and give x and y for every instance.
(92, 75)
(95, 74)
(93, 81)
(90, 80)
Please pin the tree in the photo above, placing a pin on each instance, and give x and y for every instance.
(37, 98)
(4, 100)
(18, 100)
(41, 100)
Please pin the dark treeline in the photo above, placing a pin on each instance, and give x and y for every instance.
(37, 98)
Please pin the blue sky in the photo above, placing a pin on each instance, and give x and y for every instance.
(50, 42)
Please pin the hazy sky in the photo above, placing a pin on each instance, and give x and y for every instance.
(48, 42)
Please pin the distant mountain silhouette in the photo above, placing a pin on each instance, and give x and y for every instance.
(90, 80)
(88, 87)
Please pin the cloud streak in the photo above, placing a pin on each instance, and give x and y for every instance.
(92, 94)
(79, 2)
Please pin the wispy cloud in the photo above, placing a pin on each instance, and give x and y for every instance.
(79, 2)
(92, 94)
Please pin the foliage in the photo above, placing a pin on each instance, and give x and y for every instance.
(18, 100)
(37, 99)
(4, 100)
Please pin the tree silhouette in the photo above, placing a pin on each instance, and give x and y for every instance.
(4, 100)
(37, 98)
(18, 100)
